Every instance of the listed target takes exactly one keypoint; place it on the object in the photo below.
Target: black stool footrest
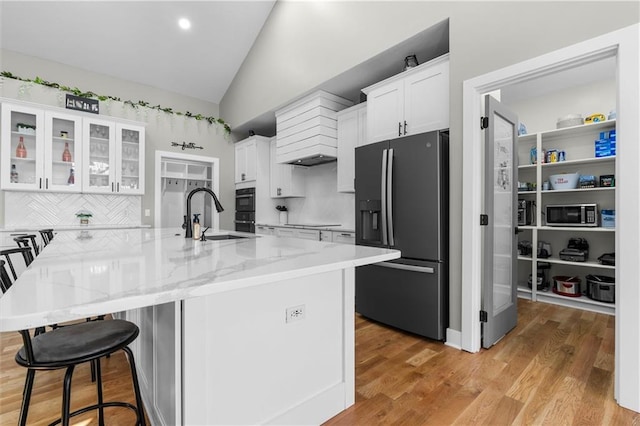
(103, 405)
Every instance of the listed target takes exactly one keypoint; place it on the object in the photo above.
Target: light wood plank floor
(555, 368)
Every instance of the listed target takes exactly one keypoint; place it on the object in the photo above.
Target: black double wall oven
(246, 210)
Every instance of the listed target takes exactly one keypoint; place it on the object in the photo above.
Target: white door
(499, 287)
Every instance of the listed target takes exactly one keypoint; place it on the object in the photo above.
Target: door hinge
(483, 316)
(484, 122)
(484, 220)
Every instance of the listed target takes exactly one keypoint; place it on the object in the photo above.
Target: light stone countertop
(319, 228)
(91, 272)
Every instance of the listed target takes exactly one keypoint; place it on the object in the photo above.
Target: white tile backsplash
(323, 203)
(27, 209)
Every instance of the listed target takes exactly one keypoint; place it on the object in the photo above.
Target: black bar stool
(69, 346)
(47, 236)
(28, 241)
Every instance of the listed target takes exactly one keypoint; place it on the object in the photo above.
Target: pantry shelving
(578, 144)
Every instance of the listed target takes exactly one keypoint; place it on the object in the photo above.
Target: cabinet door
(129, 159)
(344, 237)
(63, 152)
(385, 112)
(348, 129)
(22, 148)
(286, 180)
(426, 100)
(308, 234)
(246, 161)
(286, 232)
(99, 165)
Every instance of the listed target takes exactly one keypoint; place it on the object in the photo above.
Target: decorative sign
(184, 145)
(83, 104)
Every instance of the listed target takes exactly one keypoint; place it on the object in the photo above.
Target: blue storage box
(608, 218)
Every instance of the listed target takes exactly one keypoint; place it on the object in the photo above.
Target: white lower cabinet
(343, 237)
(307, 234)
(265, 230)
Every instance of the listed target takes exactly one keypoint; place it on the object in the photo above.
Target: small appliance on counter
(567, 286)
(577, 250)
(601, 288)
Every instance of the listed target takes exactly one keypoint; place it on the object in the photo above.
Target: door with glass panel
(130, 159)
(63, 152)
(99, 156)
(499, 287)
(22, 148)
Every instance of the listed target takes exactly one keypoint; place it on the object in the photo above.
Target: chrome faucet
(219, 208)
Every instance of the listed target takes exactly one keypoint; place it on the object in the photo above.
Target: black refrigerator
(402, 202)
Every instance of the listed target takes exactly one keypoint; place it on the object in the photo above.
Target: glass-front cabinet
(115, 157)
(46, 149)
(39, 149)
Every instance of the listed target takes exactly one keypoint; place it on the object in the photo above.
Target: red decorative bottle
(66, 155)
(21, 151)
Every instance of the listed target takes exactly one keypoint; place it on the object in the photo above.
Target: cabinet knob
(399, 129)
(242, 176)
(279, 191)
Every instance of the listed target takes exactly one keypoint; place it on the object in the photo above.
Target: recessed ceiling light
(184, 23)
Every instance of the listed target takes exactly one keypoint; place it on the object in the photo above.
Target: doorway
(176, 175)
(623, 46)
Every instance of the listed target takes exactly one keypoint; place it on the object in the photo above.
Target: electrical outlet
(147, 212)
(295, 313)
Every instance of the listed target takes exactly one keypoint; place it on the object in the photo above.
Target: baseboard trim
(454, 339)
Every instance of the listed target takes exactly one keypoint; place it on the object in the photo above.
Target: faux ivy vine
(134, 104)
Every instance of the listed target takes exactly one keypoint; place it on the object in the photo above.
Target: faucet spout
(219, 208)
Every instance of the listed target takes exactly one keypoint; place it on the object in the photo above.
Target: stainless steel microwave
(572, 215)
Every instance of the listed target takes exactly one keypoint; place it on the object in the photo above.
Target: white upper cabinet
(286, 180)
(40, 149)
(415, 101)
(48, 149)
(352, 132)
(246, 159)
(113, 157)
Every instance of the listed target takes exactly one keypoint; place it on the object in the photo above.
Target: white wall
(322, 203)
(304, 44)
(161, 128)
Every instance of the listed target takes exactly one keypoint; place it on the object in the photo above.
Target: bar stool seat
(69, 346)
(78, 343)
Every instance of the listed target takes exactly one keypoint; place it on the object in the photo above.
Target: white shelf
(31, 135)
(130, 143)
(97, 139)
(60, 139)
(63, 163)
(576, 228)
(589, 161)
(528, 166)
(526, 192)
(27, 160)
(552, 191)
(525, 258)
(587, 264)
(577, 130)
(199, 178)
(581, 302)
(98, 157)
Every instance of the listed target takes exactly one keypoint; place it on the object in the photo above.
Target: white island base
(232, 358)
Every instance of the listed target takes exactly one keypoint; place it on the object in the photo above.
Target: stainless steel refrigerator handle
(413, 268)
(245, 221)
(383, 197)
(390, 196)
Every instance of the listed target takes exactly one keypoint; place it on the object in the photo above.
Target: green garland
(77, 92)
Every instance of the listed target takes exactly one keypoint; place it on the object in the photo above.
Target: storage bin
(608, 218)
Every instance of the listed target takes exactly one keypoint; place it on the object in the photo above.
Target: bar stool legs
(26, 397)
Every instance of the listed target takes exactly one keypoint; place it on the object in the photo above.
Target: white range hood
(306, 130)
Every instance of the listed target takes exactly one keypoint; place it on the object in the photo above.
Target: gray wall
(304, 44)
(161, 128)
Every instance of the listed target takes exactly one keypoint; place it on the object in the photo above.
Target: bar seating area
(68, 346)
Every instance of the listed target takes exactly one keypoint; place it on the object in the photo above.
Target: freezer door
(370, 205)
(408, 295)
(419, 195)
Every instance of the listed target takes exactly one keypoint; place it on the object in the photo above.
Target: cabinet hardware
(484, 123)
(399, 129)
(484, 220)
(483, 316)
(405, 127)
(118, 187)
(46, 183)
(242, 176)
(112, 187)
(40, 183)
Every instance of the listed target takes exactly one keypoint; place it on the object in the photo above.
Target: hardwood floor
(46, 398)
(555, 367)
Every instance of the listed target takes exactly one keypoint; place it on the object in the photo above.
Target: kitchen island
(233, 331)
